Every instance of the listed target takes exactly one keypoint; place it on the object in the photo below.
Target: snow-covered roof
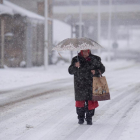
(5, 10)
(59, 34)
(12, 9)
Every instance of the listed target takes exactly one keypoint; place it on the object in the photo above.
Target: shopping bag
(100, 88)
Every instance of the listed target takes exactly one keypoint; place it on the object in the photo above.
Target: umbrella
(77, 44)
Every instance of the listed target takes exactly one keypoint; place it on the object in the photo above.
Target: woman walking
(84, 67)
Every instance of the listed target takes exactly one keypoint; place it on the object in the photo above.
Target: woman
(84, 69)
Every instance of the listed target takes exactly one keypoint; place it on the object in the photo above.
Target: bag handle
(100, 73)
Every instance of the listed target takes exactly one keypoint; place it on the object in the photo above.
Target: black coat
(83, 76)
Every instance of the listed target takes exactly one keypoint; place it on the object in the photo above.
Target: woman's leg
(81, 114)
(89, 114)
(80, 110)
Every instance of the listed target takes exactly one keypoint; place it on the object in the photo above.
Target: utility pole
(2, 39)
(2, 42)
(80, 18)
(109, 28)
(99, 23)
(29, 44)
(46, 36)
(50, 30)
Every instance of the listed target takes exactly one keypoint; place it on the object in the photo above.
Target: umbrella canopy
(77, 44)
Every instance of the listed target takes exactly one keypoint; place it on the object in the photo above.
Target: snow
(61, 31)
(19, 77)
(129, 43)
(17, 9)
(45, 108)
(5, 10)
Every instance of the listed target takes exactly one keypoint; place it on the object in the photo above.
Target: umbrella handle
(60, 54)
(77, 58)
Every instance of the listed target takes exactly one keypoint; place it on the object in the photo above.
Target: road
(47, 112)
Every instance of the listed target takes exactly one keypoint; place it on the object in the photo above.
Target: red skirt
(91, 104)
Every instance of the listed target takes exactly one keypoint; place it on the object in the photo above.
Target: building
(22, 36)
(22, 40)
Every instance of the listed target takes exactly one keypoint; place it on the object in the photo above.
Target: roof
(10, 8)
(5, 10)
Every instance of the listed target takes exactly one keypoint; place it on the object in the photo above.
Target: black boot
(81, 114)
(89, 115)
(89, 121)
(81, 121)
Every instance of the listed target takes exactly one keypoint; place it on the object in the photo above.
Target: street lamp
(46, 36)
(99, 23)
(80, 18)
(109, 28)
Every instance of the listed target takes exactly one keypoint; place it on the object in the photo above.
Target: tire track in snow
(29, 116)
(17, 115)
(16, 103)
(12, 100)
(37, 86)
(27, 93)
(29, 97)
(117, 131)
(50, 124)
(55, 127)
(103, 113)
(63, 120)
(110, 122)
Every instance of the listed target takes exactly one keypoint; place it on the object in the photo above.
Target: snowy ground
(12, 78)
(39, 105)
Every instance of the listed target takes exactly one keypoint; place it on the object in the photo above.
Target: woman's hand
(77, 64)
(93, 72)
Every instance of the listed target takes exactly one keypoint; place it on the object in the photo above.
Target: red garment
(91, 104)
(81, 52)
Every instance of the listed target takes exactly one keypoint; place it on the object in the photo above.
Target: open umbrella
(77, 44)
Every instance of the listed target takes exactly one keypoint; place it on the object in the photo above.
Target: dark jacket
(83, 76)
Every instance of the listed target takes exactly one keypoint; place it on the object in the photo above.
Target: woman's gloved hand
(93, 72)
(77, 64)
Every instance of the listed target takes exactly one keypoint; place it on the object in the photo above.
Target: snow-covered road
(47, 111)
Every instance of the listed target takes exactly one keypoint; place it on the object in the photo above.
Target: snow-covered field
(39, 105)
(18, 77)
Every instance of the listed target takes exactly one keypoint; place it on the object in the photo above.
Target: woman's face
(85, 53)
